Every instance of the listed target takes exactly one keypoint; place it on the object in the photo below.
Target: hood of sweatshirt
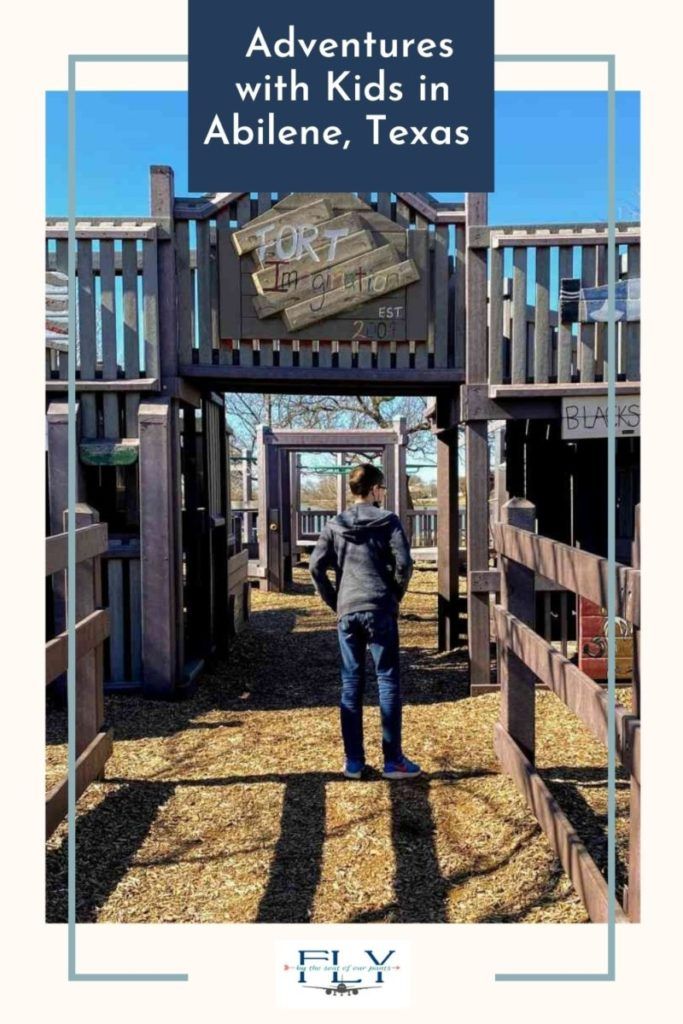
(355, 523)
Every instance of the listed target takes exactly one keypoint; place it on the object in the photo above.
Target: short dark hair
(364, 478)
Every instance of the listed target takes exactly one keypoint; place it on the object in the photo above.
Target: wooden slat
(542, 326)
(87, 339)
(384, 203)
(89, 632)
(61, 263)
(108, 318)
(496, 318)
(230, 300)
(131, 332)
(90, 541)
(586, 353)
(88, 768)
(518, 356)
(459, 298)
(601, 369)
(117, 669)
(440, 296)
(577, 570)
(185, 292)
(582, 695)
(564, 331)
(204, 293)
(632, 330)
(135, 619)
(150, 306)
(577, 862)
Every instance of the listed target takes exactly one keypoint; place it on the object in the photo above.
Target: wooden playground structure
(345, 293)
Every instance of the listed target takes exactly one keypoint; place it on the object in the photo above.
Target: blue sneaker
(401, 769)
(353, 769)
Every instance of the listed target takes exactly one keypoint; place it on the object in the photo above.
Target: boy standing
(370, 555)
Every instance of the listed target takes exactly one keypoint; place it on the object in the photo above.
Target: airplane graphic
(342, 989)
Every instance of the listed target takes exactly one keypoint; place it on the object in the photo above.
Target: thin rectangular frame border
(610, 61)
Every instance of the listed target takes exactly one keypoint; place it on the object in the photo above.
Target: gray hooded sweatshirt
(370, 555)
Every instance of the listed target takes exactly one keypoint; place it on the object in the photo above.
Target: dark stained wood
(87, 333)
(577, 570)
(158, 497)
(496, 318)
(632, 330)
(542, 328)
(587, 331)
(447, 527)
(519, 323)
(89, 766)
(517, 682)
(185, 292)
(577, 862)
(582, 695)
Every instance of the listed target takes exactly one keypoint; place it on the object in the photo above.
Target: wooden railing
(422, 527)
(93, 740)
(117, 353)
(524, 658)
(528, 341)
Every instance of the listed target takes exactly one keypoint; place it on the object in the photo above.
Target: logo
(342, 975)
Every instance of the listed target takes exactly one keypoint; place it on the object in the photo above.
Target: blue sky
(551, 160)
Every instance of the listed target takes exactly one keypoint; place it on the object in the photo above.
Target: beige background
(230, 967)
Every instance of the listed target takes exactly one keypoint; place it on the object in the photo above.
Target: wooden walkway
(230, 806)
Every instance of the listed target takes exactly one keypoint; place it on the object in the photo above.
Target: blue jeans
(378, 632)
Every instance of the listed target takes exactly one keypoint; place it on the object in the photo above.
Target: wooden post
(447, 524)
(401, 506)
(162, 199)
(285, 505)
(57, 472)
(517, 596)
(269, 516)
(89, 668)
(341, 482)
(635, 559)
(162, 616)
(295, 502)
(633, 890)
(246, 476)
(477, 469)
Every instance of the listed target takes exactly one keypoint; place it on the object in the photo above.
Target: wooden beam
(575, 858)
(90, 631)
(581, 694)
(134, 384)
(517, 682)
(98, 229)
(482, 236)
(447, 530)
(90, 542)
(261, 379)
(577, 570)
(89, 767)
(160, 563)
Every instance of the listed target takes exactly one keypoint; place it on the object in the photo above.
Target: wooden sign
(587, 417)
(328, 266)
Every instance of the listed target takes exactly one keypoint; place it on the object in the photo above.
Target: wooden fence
(93, 740)
(526, 658)
(528, 340)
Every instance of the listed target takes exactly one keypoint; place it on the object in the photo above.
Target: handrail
(584, 573)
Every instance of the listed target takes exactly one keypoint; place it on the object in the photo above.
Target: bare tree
(329, 412)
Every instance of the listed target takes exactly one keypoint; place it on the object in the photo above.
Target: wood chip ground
(231, 806)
